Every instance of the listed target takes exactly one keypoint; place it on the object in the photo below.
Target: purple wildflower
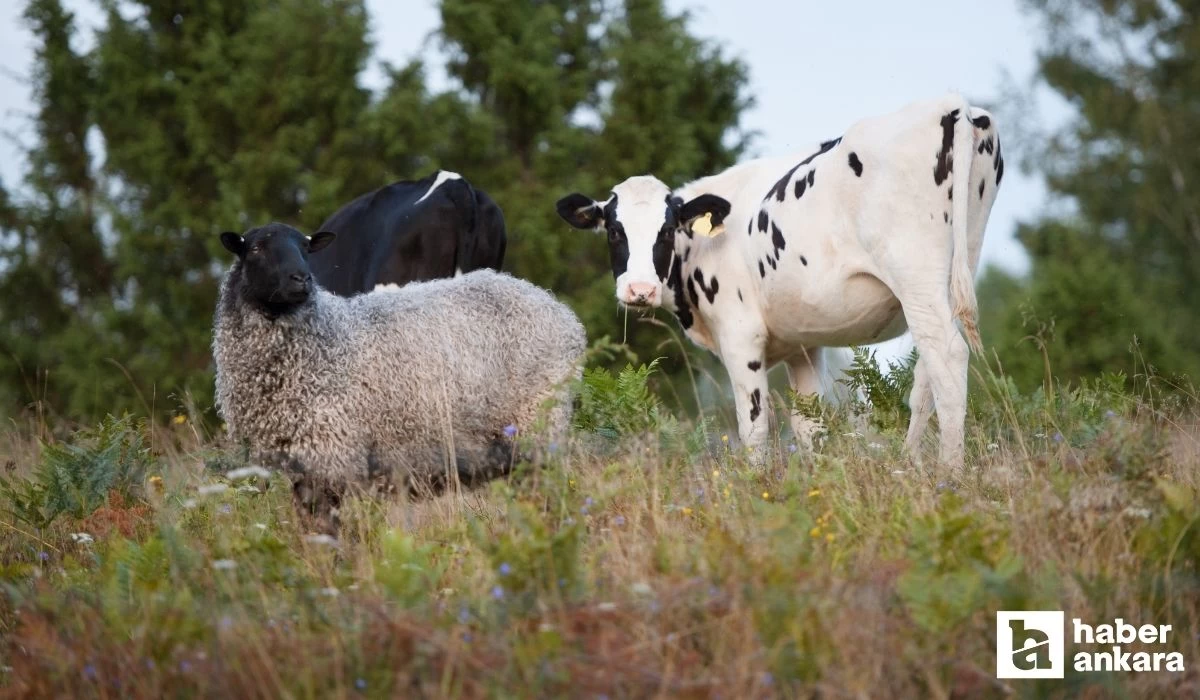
(44, 556)
(225, 509)
(766, 678)
(505, 569)
(89, 672)
(361, 683)
(1110, 414)
(510, 431)
(464, 615)
(792, 447)
(498, 592)
(1058, 437)
(619, 520)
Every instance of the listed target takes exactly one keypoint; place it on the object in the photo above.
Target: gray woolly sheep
(396, 383)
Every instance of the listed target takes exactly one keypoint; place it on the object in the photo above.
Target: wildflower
(360, 683)
(224, 564)
(606, 607)
(44, 556)
(179, 419)
(992, 446)
(766, 495)
(829, 536)
(247, 488)
(81, 538)
(1058, 437)
(225, 509)
(687, 511)
(815, 532)
(510, 431)
(814, 493)
(1110, 414)
(641, 588)
(571, 483)
(505, 569)
(467, 637)
(185, 666)
(766, 678)
(464, 615)
(724, 438)
(321, 539)
(209, 489)
(716, 473)
(260, 526)
(225, 622)
(89, 672)
(330, 592)
(792, 448)
(189, 503)
(619, 520)
(246, 472)
(156, 483)
(498, 592)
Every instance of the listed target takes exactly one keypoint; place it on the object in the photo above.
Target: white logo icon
(1029, 644)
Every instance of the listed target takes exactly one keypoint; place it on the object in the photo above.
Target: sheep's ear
(234, 243)
(319, 240)
(580, 211)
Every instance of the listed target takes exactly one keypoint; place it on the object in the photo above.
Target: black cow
(408, 231)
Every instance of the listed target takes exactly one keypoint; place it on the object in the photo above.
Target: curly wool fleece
(398, 381)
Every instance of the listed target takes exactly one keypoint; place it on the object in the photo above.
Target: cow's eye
(615, 233)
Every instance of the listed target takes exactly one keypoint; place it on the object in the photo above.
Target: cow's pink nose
(643, 291)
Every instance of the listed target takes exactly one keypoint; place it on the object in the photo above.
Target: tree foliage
(189, 118)
(1126, 263)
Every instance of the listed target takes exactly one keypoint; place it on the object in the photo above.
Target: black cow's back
(404, 233)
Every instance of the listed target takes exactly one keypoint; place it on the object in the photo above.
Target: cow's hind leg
(920, 401)
(745, 361)
(804, 375)
(944, 354)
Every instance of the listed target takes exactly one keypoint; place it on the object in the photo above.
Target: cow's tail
(962, 281)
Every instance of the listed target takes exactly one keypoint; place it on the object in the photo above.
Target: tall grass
(643, 558)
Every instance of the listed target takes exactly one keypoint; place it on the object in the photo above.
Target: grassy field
(644, 558)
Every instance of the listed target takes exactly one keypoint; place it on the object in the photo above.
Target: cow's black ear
(718, 207)
(234, 243)
(580, 211)
(319, 240)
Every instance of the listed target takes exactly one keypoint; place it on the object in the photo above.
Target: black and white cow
(411, 230)
(851, 242)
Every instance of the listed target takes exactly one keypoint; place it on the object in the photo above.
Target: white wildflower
(260, 526)
(330, 592)
(875, 445)
(321, 539)
(81, 538)
(189, 503)
(1133, 512)
(642, 588)
(992, 447)
(209, 489)
(246, 472)
(224, 564)
(606, 607)
(247, 488)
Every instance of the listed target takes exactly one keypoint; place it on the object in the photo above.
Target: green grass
(644, 558)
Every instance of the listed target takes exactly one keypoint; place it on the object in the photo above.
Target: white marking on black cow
(872, 245)
(442, 176)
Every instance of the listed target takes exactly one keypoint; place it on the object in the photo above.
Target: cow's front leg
(747, 370)
(804, 375)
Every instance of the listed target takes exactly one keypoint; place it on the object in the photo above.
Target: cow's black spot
(950, 193)
(981, 184)
(945, 156)
(750, 227)
(986, 145)
(998, 163)
(740, 295)
(710, 290)
(812, 177)
(946, 216)
(618, 244)
(801, 185)
(691, 288)
(779, 189)
(663, 251)
(683, 312)
(762, 270)
(771, 260)
(762, 220)
(855, 164)
(777, 239)
(754, 365)
(755, 405)
(981, 122)
(804, 261)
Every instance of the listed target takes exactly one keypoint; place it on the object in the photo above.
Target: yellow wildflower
(815, 532)
(179, 419)
(724, 438)
(156, 482)
(829, 537)
(814, 493)
(766, 495)
(687, 511)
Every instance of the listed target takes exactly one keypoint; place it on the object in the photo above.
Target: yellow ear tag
(703, 226)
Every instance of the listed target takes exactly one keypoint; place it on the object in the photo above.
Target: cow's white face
(641, 219)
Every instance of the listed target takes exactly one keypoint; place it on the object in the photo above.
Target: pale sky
(815, 67)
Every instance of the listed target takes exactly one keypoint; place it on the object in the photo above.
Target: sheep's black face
(274, 265)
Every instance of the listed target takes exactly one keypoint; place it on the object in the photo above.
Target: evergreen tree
(1127, 263)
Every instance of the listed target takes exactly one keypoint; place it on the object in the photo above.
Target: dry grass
(652, 566)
